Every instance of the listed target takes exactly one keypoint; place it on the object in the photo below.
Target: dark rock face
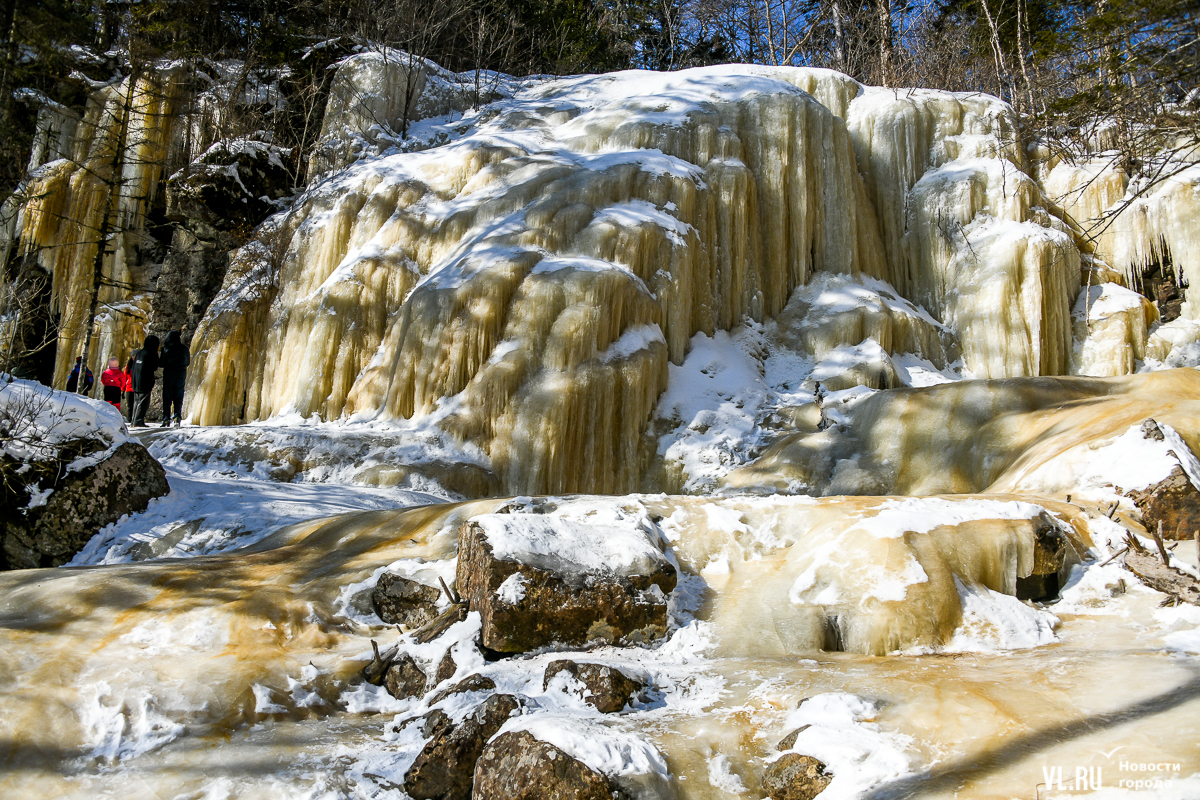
(81, 504)
(445, 767)
(516, 766)
(568, 609)
(610, 688)
(404, 678)
(400, 601)
(445, 668)
(215, 202)
(795, 777)
(1174, 502)
(1049, 556)
(472, 683)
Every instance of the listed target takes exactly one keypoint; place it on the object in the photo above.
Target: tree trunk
(839, 37)
(885, 42)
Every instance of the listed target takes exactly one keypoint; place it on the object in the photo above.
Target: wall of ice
(521, 275)
(527, 282)
(1134, 224)
(113, 167)
(1041, 436)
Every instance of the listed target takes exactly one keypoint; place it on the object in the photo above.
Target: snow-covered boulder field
(69, 469)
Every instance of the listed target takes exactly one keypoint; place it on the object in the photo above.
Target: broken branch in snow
(1176, 584)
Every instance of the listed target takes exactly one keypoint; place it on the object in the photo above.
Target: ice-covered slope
(529, 280)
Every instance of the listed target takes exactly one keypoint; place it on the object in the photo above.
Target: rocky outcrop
(400, 601)
(1172, 501)
(79, 504)
(517, 766)
(445, 767)
(525, 606)
(215, 202)
(472, 683)
(607, 689)
(405, 678)
(795, 777)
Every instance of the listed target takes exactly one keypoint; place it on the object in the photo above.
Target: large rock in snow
(1174, 500)
(795, 777)
(445, 767)
(605, 688)
(79, 506)
(68, 470)
(401, 601)
(564, 578)
(517, 766)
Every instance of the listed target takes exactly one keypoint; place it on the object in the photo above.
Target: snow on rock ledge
(69, 469)
(542, 575)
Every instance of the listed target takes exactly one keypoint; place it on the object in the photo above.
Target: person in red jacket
(113, 380)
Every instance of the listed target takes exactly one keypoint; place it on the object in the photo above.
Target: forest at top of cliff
(1060, 63)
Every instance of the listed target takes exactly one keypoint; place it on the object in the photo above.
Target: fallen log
(1156, 574)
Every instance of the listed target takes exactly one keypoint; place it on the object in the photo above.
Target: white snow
(843, 734)
(35, 421)
(581, 536)
(922, 515)
(512, 590)
(994, 622)
(606, 749)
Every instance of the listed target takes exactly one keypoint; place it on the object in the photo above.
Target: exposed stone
(568, 608)
(517, 766)
(400, 601)
(445, 668)
(610, 689)
(472, 683)
(80, 505)
(445, 767)
(215, 202)
(789, 741)
(1174, 502)
(1049, 556)
(404, 678)
(795, 777)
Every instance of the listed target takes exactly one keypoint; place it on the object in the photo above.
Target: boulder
(472, 683)
(400, 601)
(538, 580)
(404, 678)
(609, 689)
(79, 505)
(215, 203)
(445, 767)
(795, 777)
(517, 766)
(445, 668)
(1174, 502)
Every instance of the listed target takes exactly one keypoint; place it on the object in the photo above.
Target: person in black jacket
(174, 360)
(142, 365)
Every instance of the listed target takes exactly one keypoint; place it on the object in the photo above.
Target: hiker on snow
(113, 381)
(142, 365)
(73, 380)
(174, 360)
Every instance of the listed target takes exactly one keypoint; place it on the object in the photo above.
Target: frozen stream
(234, 675)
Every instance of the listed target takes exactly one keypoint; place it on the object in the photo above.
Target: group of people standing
(134, 384)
